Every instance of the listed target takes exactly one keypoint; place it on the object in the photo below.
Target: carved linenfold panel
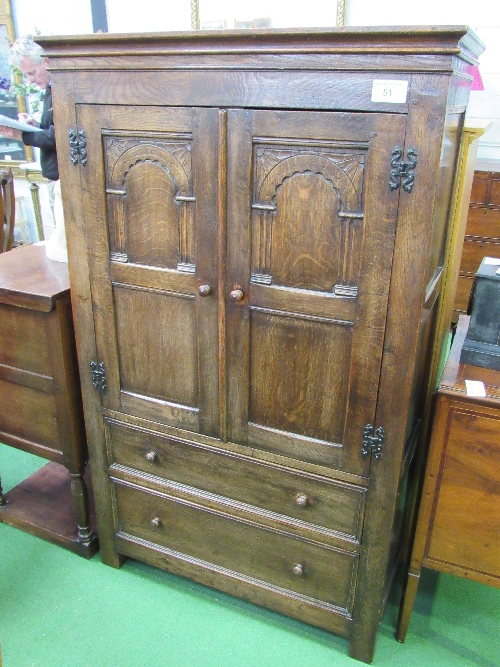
(319, 188)
(150, 199)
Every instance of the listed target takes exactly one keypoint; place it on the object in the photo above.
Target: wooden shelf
(42, 505)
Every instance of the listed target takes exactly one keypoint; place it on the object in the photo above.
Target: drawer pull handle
(302, 500)
(151, 456)
(156, 522)
(298, 569)
(204, 290)
(236, 295)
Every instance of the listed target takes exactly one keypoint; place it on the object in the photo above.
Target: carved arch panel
(150, 200)
(316, 190)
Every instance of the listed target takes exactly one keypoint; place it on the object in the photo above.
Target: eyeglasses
(30, 76)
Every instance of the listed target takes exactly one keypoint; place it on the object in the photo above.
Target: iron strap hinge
(98, 375)
(372, 443)
(77, 146)
(403, 171)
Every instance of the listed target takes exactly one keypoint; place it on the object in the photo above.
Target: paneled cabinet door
(151, 224)
(311, 228)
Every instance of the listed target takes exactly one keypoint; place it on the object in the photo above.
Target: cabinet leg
(81, 504)
(406, 606)
(362, 646)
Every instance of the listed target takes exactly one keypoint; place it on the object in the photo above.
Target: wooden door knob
(151, 456)
(302, 500)
(204, 290)
(298, 569)
(236, 295)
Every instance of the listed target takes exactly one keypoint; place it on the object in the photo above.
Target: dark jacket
(46, 140)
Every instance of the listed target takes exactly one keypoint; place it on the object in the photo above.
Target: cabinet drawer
(473, 253)
(332, 505)
(265, 555)
(483, 222)
(31, 415)
(24, 338)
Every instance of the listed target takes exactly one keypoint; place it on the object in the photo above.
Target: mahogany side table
(458, 525)
(40, 401)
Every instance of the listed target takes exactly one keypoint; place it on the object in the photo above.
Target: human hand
(26, 118)
(10, 133)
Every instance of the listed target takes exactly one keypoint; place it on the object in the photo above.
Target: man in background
(27, 56)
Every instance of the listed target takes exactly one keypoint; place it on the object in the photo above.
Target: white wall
(148, 15)
(483, 16)
(74, 17)
(52, 17)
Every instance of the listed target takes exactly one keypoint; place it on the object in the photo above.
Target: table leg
(35, 198)
(408, 599)
(81, 503)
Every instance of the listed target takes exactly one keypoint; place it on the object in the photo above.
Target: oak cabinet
(256, 230)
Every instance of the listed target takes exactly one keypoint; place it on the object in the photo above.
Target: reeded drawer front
(306, 569)
(331, 505)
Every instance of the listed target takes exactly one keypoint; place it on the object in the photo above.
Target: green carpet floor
(60, 610)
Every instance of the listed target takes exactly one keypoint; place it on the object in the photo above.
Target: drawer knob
(156, 522)
(302, 500)
(151, 456)
(298, 569)
(236, 295)
(204, 290)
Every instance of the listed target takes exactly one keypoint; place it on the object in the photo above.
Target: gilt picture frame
(246, 23)
(12, 152)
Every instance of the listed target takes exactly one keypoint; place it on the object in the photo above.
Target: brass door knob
(204, 290)
(301, 500)
(236, 295)
(151, 456)
(156, 522)
(298, 569)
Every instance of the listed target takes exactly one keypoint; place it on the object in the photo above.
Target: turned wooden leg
(3, 499)
(81, 503)
(407, 601)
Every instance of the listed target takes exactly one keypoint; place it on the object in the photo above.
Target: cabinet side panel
(467, 516)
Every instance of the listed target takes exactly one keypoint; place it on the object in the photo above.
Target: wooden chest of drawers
(482, 233)
(459, 516)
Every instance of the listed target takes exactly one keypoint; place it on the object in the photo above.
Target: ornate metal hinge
(98, 375)
(403, 170)
(372, 443)
(77, 146)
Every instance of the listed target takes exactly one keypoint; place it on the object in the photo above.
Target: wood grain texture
(458, 515)
(293, 292)
(40, 392)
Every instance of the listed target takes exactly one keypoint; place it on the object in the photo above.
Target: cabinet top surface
(455, 373)
(30, 280)
(445, 40)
